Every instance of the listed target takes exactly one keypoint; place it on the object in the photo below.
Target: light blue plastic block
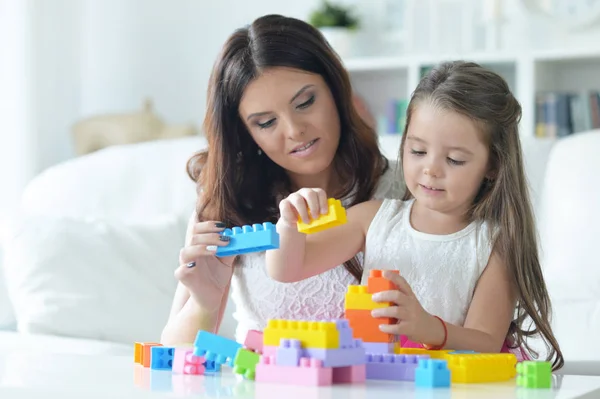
(215, 348)
(161, 357)
(432, 373)
(247, 239)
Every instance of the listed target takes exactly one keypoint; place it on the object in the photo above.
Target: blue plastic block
(211, 367)
(161, 357)
(432, 373)
(215, 348)
(247, 239)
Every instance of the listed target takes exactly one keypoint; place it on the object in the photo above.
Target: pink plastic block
(350, 374)
(254, 341)
(185, 362)
(269, 350)
(309, 372)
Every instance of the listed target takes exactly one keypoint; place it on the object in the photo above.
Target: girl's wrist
(437, 333)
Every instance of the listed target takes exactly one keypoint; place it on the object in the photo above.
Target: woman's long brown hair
(485, 97)
(235, 184)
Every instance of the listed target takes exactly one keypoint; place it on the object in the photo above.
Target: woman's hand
(306, 203)
(205, 275)
(413, 321)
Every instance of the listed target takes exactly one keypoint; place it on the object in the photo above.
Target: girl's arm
(489, 316)
(488, 319)
(301, 256)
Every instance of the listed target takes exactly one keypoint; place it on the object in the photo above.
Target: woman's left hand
(413, 321)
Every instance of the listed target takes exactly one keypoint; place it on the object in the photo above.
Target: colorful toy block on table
(311, 334)
(142, 354)
(215, 348)
(377, 283)
(185, 362)
(245, 363)
(392, 367)
(481, 367)
(355, 374)
(247, 239)
(291, 351)
(432, 373)
(308, 372)
(254, 341)
(161, 357)
(532, 374)
(335, 217)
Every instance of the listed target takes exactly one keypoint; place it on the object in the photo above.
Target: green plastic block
(245, 363)
(534, 374)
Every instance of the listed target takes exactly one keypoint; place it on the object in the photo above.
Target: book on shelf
(559, 114)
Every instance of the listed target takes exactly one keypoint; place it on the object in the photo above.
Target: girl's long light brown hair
(485, 97)
(235, 184)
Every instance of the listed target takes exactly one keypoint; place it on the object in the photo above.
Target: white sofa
(92, 254)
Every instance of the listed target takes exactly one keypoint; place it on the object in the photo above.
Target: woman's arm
(301, 256)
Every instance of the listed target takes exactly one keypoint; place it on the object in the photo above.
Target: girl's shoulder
(391, 183)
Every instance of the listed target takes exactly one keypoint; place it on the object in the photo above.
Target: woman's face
(292, 116)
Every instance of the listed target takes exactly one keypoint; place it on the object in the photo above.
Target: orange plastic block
(377, 283)
(146, 352)
(481, 367)
(366, 327)
(335, 217)
(311, 334)
(357, 297)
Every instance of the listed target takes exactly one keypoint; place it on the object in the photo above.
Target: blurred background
(101, 103)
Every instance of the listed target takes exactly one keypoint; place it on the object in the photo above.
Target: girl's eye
(455, 162)
(307, 103)
(415, 152)
(266, 124)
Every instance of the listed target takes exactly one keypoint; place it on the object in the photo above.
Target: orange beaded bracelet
(430, 347)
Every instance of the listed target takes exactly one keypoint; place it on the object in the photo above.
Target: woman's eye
(266, 124)
(307, 103)
(415, 152)
(455, 162)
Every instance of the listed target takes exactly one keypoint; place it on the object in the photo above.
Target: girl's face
(293, 118)
(445, 159)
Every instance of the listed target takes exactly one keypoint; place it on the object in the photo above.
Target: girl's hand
(205, 275)
(306, 203)
(413, 321)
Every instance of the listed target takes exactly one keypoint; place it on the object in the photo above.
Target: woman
(279, 117)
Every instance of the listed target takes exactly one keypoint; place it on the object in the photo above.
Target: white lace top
(258, 298)
(442, 270)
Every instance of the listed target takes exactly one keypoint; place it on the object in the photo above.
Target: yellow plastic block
(137, 352)
(439, 354)
(357, 297)
(311, 334)
(335, 217)
(481, 367)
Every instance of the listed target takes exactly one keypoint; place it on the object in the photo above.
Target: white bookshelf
(379, 79)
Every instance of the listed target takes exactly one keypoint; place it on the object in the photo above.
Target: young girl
(463, 238)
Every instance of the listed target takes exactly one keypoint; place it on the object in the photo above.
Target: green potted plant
(337, 23)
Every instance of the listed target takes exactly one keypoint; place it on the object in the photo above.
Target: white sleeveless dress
(258, 298)
(442, 270)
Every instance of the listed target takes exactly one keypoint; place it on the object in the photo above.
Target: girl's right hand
(306, 204)
(205, 275)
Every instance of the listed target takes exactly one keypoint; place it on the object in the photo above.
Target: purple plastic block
(378, 347)
(346, 339)
(350, 356)
(289, 353)
(392, 367)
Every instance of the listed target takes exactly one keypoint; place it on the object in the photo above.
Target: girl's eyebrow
(455, 148)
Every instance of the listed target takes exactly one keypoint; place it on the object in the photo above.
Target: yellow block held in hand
(335, 217)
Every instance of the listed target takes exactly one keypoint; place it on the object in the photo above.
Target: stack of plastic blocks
(335, 216)
(247, 239)
(311, 353)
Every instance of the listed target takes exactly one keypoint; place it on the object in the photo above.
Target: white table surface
(26, 374)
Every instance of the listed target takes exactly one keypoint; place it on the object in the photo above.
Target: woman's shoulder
(391, 182)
